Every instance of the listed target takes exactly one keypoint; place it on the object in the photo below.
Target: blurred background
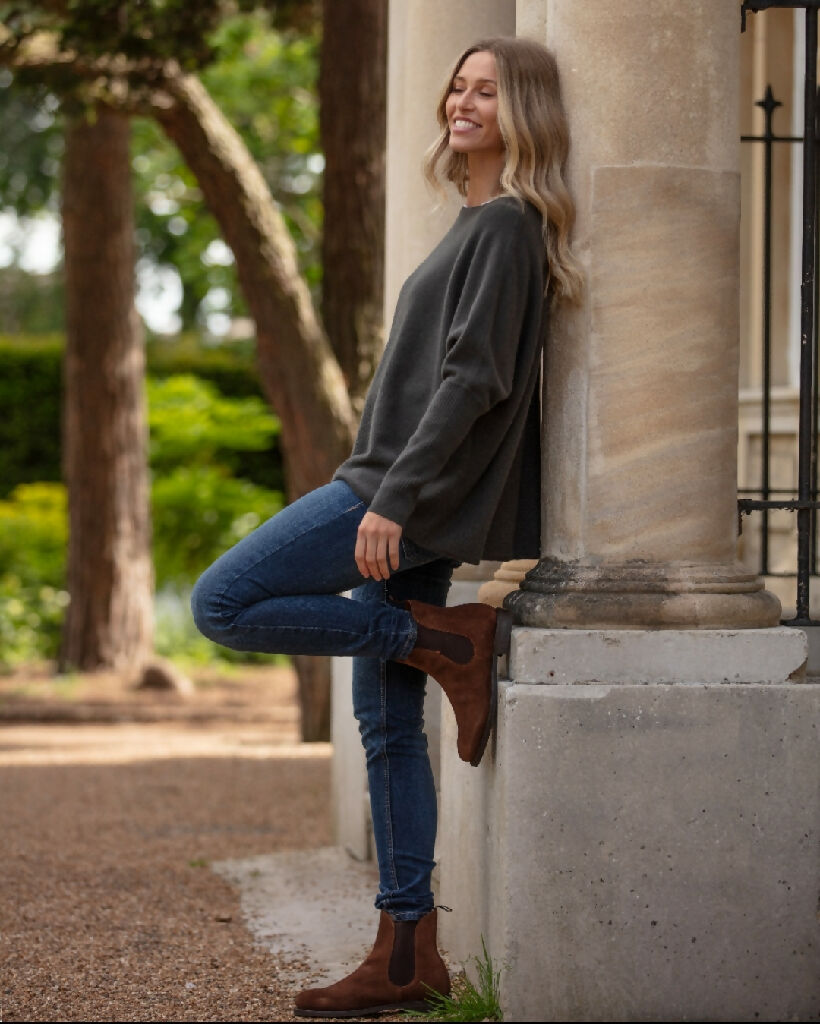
(190, 303)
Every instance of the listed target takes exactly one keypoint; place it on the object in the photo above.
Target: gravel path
(108, 908)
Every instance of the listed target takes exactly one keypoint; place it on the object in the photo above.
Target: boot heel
(501, 644)
(503, 631)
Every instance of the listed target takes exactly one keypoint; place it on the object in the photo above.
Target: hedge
(30, 400)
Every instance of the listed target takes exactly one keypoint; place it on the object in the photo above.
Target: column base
(636, 594)
(506, 579)
(640, 849)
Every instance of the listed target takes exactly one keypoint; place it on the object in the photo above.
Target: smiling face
(472, 106)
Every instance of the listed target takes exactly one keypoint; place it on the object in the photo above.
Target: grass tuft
(467, 1002)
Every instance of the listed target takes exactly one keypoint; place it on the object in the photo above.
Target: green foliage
(199, 508)
(262, 74)
(192, 423)
(261, 65)
(30, 620)
(33, 534)
(230, 366)
(30, 399)
(468, 1002)
(31, 303)
(148, 29)
(199, 512)
(264, 81)
(32, 572)
(33, 145)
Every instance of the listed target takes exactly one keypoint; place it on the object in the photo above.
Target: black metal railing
(805, 503)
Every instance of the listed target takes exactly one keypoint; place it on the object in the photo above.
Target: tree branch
(299, 372)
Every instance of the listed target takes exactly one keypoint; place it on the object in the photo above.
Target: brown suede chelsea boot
(398, 974)
(458, 647)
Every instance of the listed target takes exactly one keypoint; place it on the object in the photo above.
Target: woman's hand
(377, 546)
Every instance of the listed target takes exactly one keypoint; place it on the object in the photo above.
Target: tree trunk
(353, 120)
(353, 124)
(314, 697)
(298, 370)
(110, 574)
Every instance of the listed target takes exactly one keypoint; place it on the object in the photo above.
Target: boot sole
(501, 644)
(368, 1011)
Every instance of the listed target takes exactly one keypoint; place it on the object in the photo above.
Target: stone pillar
(426, 36)
(641, 381)
(507, 578)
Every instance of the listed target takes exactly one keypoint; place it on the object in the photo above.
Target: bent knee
(207, 609)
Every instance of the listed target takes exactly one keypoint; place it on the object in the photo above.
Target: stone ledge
(688, 657)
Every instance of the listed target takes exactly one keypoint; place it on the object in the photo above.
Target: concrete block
(351, 804)
(634, 849)
(813, 661)
(465, 837)
(643, 852)
(675, 833)
(693, 656)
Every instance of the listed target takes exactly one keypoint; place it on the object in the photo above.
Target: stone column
(507, 578)
(640, 515)
(426, 36)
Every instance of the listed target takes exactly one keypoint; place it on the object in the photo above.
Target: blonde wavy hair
(535, 132)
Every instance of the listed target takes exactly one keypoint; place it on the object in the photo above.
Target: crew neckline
(466, 206)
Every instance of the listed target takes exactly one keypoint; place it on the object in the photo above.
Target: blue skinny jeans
(279, 590)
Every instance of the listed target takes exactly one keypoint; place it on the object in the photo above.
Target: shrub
(199, 512)
(30, 621)
(32, 572)
(191, 422)
(199, 508)
(33, 534)
(30, 397)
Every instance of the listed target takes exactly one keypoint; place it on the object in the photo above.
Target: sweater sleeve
(481, 348)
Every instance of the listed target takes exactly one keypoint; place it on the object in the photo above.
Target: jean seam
(386, 634)
(219, 599)
(411, 641)
(387, 802)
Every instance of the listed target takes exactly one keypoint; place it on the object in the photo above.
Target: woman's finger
(394, 550)
(381, 556)
(360, 555)
(377, 546)
(372, 559)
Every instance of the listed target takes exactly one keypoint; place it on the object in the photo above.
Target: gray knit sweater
(448, 445)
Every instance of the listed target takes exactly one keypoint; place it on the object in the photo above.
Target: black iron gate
(805, 503)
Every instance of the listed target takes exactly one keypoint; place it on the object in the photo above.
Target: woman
(445, 469)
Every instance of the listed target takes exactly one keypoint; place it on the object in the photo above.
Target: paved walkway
(315, 906)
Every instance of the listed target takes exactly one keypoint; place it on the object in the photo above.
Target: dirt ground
(113, 804)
